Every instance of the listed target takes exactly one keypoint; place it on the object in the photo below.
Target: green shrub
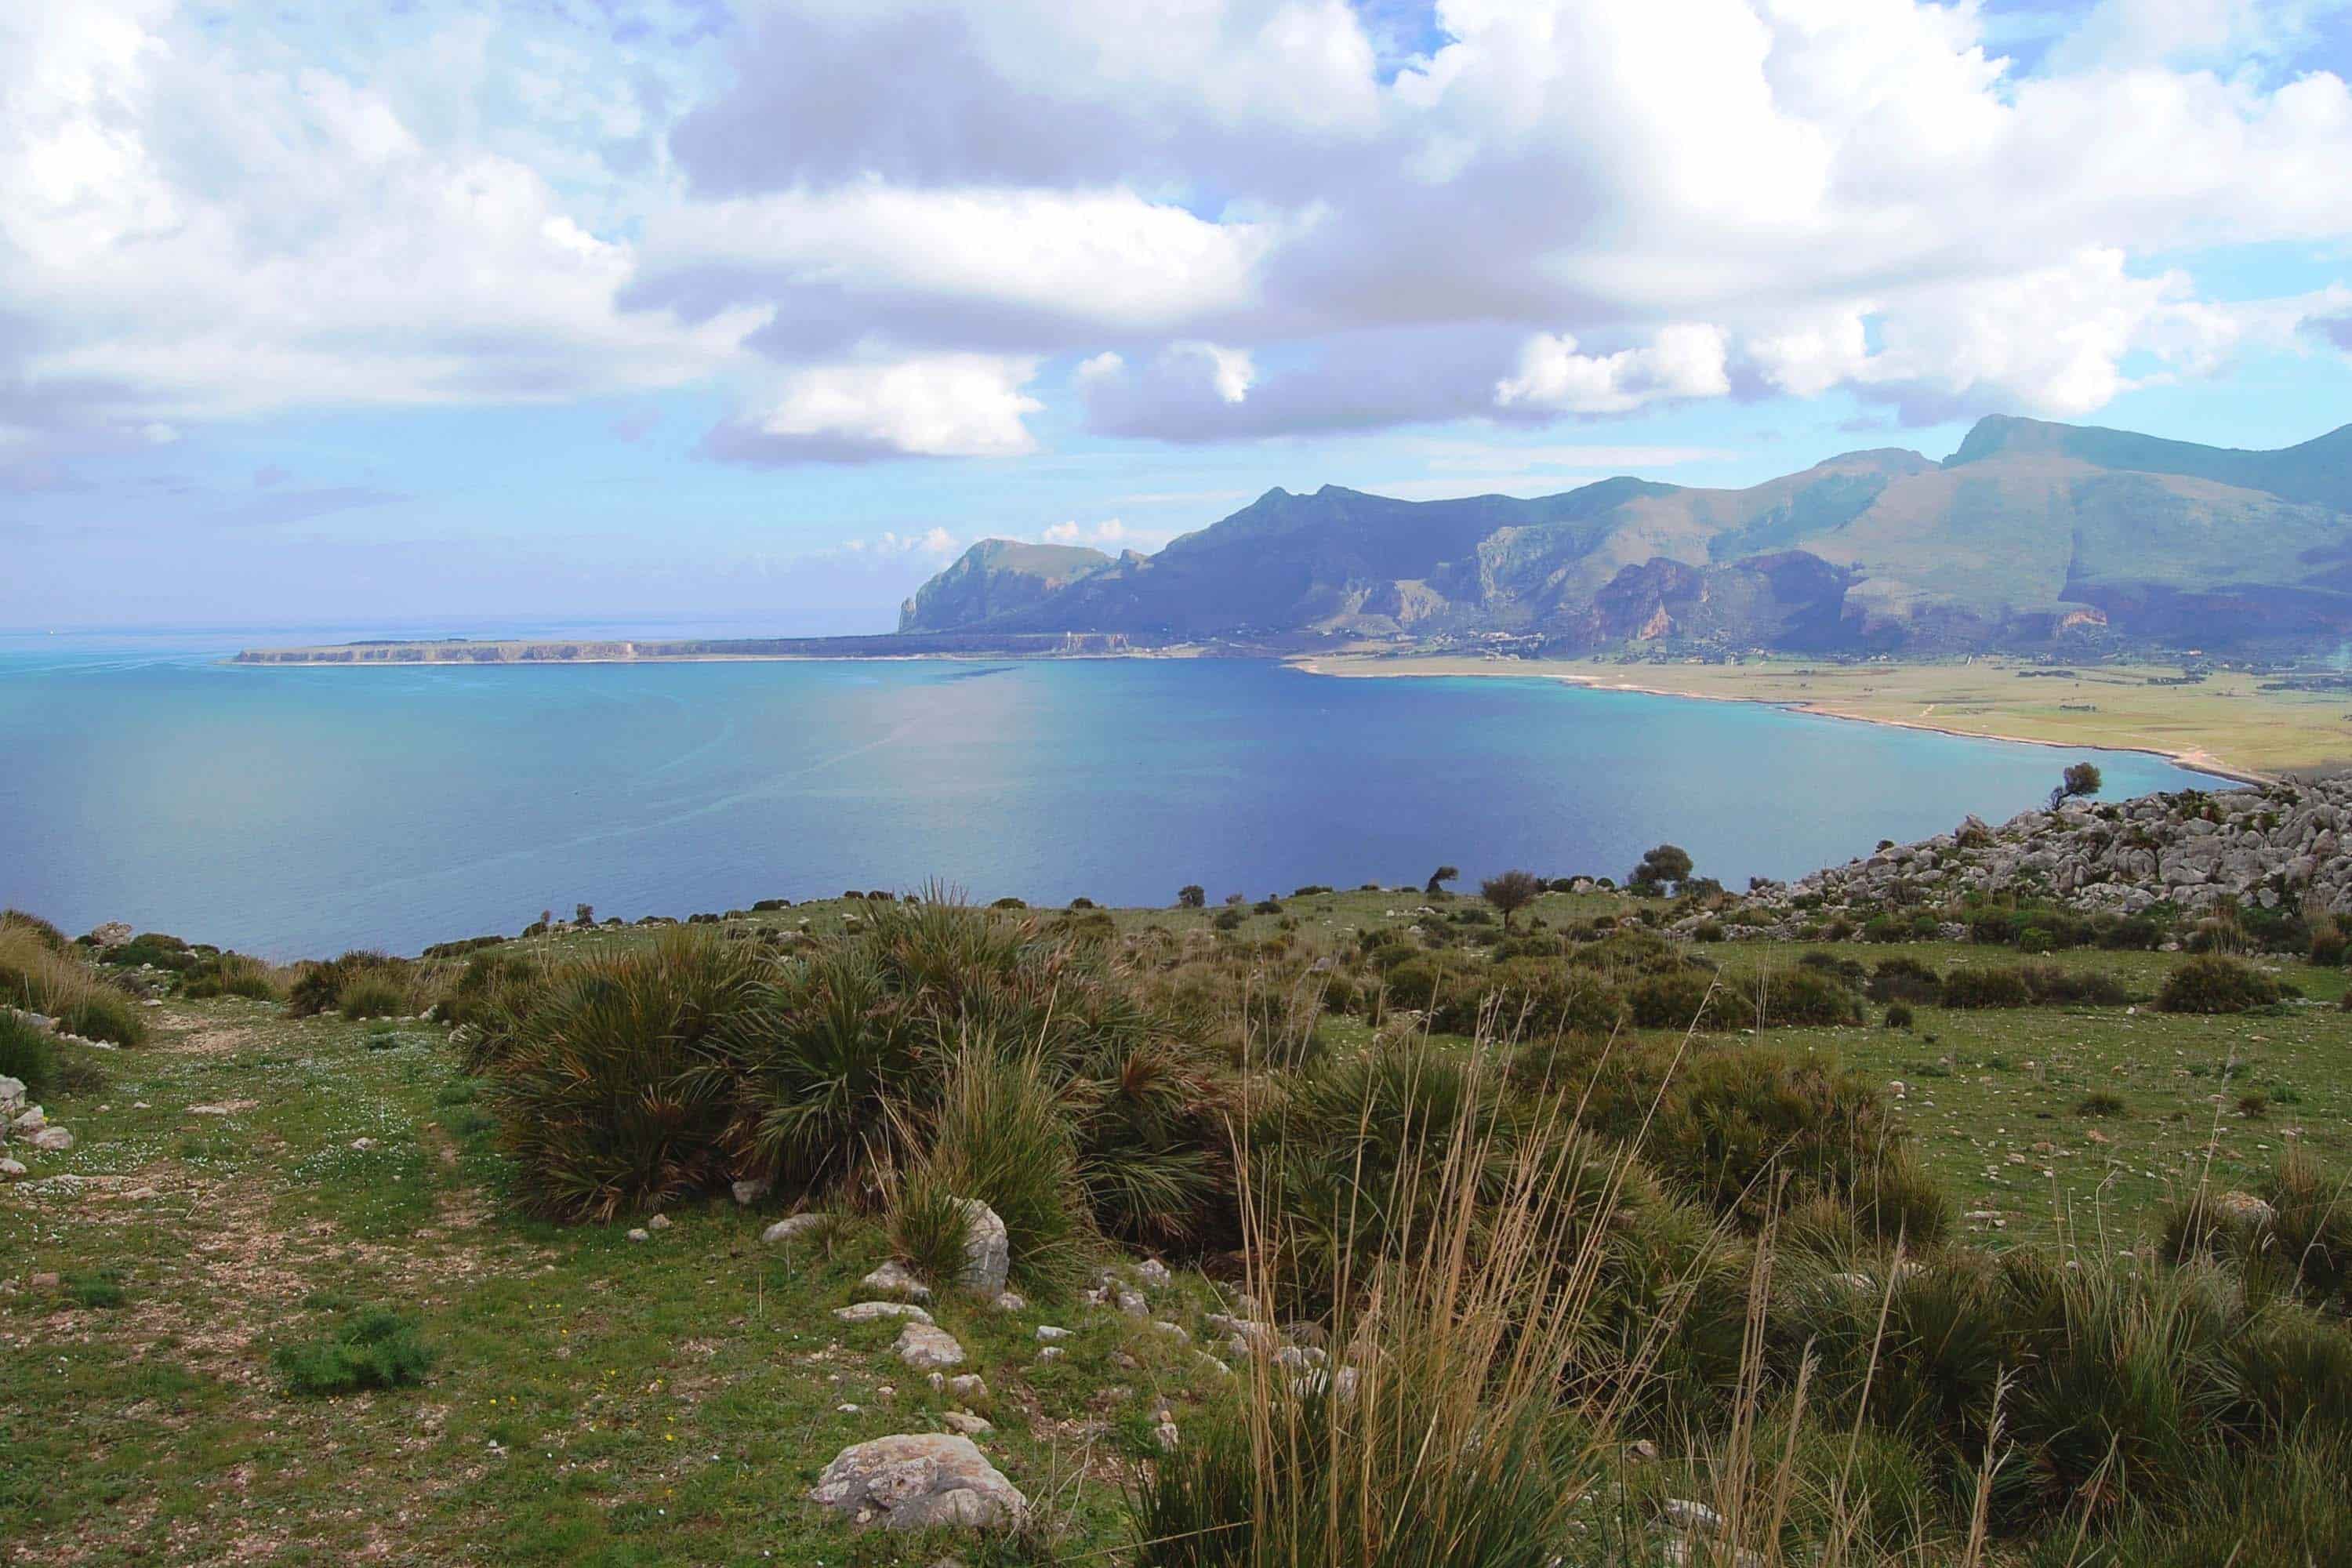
(318, 987)
(1520, 999)
(154, 950)
(2035, 938)
(1000, 1136)
(375, 1348)
(229, 974)
(372, 995)
(2212, 983)
(928, 1227)
(1737, 1123)
(1898, 1015)
(1985, 987)
(36, 929)
(1901, 978)
(100, 1289)
(2051, 984)
(1683, 1000)
(28, 1054)
(490, 1000)
(2101, 1103)
(2329, 943)
(603, 1099)
(37, 978)
(2312, 1233)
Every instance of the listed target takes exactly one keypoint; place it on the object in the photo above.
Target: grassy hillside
(256, 1179)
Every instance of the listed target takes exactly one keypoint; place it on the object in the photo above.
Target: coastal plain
(2236, 723)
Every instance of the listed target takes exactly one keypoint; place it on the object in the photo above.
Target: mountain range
(2030, 533)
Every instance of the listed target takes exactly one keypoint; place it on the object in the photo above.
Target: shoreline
(2195, 759)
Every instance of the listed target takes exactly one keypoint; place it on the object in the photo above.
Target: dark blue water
(292, 811)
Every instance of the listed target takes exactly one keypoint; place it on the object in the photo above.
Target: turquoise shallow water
(292, 811)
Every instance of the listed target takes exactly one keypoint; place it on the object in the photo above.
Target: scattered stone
(1685, 1515)
(918, 1480)
(54, 1139)
(1153, 1272)
(926, 1347)
(1132, 1303)
(964, 1421)
(1642, 1451)
(1048, 1333)
(968, 1385)
(362, 1144)
(12, 1095)
(1174, 1331)
(227, 1108)
(10, 1170)
(1051, 1353)
(873, 1311)
(748, 1193)
(1165, 1434)
(44, 1281)
(660, 1222)
(112, 934)
(2240, 1209)
(30, 1120)
(1006, 1301)
(639, 1233)
(987, 1249)
(791, 1228)
(895, 1278)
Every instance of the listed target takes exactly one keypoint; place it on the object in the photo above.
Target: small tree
(1663, 867)
(1436, 878)
(585, 914)
(1192, 896)
(2081, 782)
(1511, 892)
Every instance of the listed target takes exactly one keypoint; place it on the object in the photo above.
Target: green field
(600, 1400)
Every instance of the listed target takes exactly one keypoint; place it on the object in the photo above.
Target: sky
(755, 315)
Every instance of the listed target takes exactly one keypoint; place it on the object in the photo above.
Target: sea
(294, 811)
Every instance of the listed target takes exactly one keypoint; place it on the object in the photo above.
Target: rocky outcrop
(2268, 846)
(918, 1480)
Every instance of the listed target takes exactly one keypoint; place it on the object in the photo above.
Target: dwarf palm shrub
(615, 1092)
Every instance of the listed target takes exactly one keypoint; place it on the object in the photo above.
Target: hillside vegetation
(2029, 534)
(1392, 1227)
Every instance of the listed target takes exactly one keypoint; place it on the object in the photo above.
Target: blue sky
(758, 314)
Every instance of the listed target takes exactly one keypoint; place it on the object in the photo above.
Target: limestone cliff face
(2029, 531)
(994, 579)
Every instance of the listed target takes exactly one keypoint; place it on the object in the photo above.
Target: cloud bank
(940, 228)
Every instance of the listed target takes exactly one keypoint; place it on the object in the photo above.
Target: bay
(295, 812)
